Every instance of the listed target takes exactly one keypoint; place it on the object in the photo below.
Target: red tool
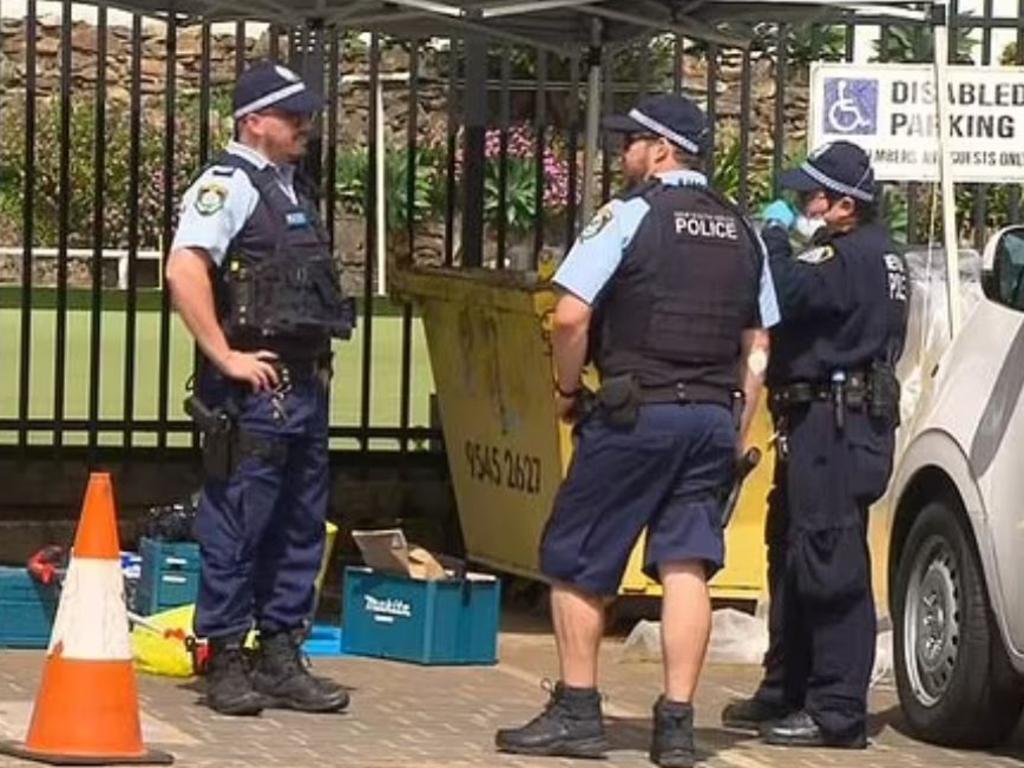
(47, 565)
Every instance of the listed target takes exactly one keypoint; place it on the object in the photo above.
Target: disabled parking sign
(851, 107)
(890, 111)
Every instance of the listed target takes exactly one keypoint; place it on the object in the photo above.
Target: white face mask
(807, 227)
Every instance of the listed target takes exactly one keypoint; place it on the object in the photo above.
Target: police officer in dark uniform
(835, 401)
(253, 278)
(671, 291)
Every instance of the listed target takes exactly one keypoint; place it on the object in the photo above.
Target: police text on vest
(706, 225)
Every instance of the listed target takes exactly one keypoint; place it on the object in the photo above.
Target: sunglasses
(629, 139)
(292, 118)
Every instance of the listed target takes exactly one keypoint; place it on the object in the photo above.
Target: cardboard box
(387, 551)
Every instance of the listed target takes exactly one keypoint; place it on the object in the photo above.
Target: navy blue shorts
(670, 474)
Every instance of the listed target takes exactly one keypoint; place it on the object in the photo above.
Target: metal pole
(378, 175)
(473, 150)
(946, 172)
(313, 63)
(593, 127)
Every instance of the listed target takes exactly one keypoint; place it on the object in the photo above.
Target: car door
(996, 451)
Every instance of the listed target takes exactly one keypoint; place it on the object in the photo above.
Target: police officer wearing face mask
(253, 278)
(671, 291)
(835, 401)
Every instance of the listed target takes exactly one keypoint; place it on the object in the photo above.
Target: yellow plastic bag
(329, 539)
(164, 652)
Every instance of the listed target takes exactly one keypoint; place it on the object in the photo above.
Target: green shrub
(353, 174)
(116, 170)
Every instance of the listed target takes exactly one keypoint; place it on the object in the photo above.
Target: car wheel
(954, 681)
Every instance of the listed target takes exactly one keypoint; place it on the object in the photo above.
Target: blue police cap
(675, 118)
(265, 85)
(840, 167)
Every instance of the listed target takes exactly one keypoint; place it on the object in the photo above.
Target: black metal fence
(100, 134)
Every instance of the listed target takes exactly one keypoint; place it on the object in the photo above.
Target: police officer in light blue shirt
(669, 292)
(252, 275)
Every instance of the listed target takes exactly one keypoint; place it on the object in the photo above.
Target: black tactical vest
(859, 315)
(278, 287)
(685, 291)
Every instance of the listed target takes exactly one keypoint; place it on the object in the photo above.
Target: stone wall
(354, 96)
(353, 99)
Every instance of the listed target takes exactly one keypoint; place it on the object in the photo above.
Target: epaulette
(640, 189)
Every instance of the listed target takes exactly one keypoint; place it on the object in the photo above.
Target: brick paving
(407, 715)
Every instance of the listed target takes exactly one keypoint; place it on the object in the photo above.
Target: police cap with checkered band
(271, 86)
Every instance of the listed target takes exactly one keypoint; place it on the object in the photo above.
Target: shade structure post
(942, 107)
(593, 126)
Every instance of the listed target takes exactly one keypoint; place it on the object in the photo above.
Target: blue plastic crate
(169, 590)
(454, 621)
(323, 640)
(160, 556)
(27, 609)
(169, 575)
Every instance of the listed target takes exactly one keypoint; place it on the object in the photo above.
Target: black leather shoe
(800, 730)
(750, 714)
(569, 726)
(672, 741)
(283, 679)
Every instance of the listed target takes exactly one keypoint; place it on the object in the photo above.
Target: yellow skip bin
(488, 337)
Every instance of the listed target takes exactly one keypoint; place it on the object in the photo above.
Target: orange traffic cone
(87, 707)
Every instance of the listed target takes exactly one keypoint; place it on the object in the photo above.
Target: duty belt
(301, 368)
(854, 389)
(683, 392)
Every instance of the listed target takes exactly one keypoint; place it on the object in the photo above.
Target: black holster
(219, 427)
(884, 392)
(619, 401)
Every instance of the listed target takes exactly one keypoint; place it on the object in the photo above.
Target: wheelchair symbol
(844, 115)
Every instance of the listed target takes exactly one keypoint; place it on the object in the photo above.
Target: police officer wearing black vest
(670, 290)
(253, 277)
(835, 401)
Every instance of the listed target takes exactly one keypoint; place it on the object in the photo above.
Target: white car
(956, 546)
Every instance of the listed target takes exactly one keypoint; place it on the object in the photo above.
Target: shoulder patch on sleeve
(210, 198)
(818, 255)
(599, 222)
(223, 170)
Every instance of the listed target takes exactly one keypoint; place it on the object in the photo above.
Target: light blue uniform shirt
(598, 251)
(217, 205)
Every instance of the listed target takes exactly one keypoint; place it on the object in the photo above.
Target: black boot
(228, 685)
(672, 741)
(570, 726)
(283, 678)
(749, 714)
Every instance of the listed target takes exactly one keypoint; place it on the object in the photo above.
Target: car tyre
(955, 683)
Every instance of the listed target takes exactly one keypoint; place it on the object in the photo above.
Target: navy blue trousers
(669, 474)
(261, 533)
(822, 623)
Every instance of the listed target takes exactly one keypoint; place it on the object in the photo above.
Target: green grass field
(346, 393)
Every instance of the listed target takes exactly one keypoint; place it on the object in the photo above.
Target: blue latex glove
(779, 212)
